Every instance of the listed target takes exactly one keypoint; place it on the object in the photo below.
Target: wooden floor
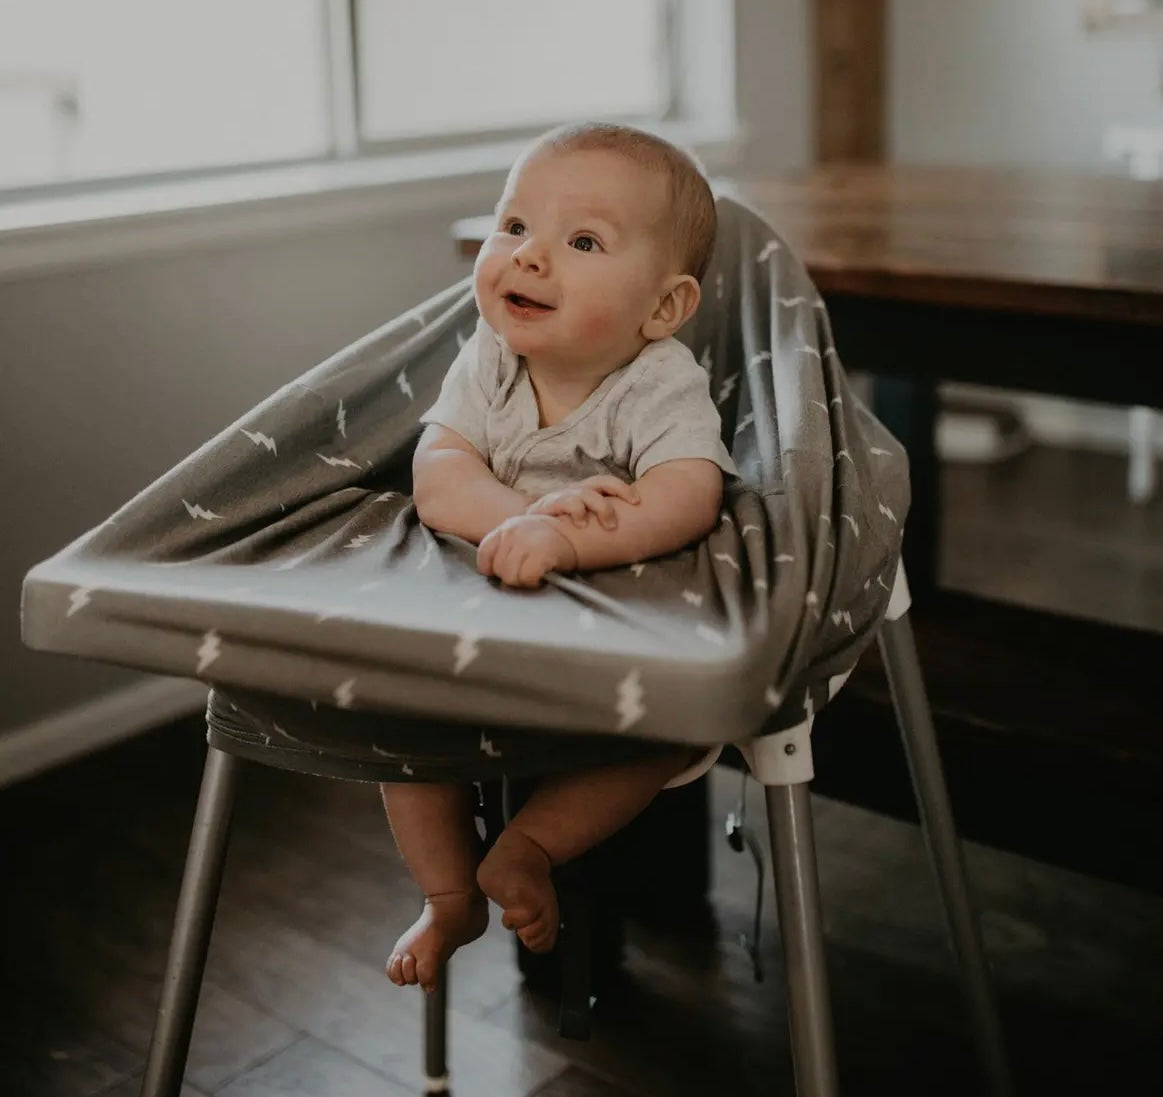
(295, 1003)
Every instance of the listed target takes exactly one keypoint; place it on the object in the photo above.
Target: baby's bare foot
(446, 922)
(515, 875)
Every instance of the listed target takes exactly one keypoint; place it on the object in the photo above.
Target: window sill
(81, 230)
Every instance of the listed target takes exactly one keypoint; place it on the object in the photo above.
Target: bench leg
(436, 1037)
(899, 653)
(166, 1062)
(797, 893)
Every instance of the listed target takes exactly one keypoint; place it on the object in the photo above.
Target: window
(94, 90)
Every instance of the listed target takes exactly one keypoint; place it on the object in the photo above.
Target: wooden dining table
(1036, 280)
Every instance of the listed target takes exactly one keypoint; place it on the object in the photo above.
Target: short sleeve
(468, 390)
(671, 416)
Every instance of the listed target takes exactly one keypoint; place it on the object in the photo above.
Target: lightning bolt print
(637, 569)
(692, 597)
(208, 650)
(785, 558)
(791, 302)
(338, 462)
(769, 249)
(749, 528)
(705, 360)
(810, 351)
(260, 439)
(772, 698)
(487, 747)
(78, 600)
(341, 419)
(876, 451)
(726, 389)
(762, 356)
(744, 423)
(719, 286)
(729, 560)
(465, 650)
(842, 615)
(852, 522)
(344, 693)
(887, 512)
(629, 701)
(405, 385)
(196, 510)
(358, 541)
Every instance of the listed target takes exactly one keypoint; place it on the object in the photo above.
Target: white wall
(1014, 82)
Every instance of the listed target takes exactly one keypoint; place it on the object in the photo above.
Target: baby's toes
(538, 937)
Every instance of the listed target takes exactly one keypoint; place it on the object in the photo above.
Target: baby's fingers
(602, 507)
(611, 485)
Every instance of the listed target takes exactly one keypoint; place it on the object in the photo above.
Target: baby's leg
(565, 816)
(436, 834)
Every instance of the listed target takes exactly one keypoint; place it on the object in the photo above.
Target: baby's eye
(585, 242)
(515, 228)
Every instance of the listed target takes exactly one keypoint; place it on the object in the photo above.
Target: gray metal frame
(797, 893)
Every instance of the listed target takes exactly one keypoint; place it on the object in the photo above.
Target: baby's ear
(677, 304)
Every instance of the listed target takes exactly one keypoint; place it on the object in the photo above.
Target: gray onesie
(658, 408)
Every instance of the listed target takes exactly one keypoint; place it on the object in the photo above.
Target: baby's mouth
(523, 302)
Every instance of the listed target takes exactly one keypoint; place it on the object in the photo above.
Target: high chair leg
(899, 654)
(436, 1036)
(166, 1062)
(797, 893)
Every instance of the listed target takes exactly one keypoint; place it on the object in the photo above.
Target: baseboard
(110, 718)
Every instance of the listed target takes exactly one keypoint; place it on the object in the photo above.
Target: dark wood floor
(295, 1003)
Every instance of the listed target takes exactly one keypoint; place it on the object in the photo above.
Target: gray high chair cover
(283, 562)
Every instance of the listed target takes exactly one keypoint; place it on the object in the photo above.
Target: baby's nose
(530, 255)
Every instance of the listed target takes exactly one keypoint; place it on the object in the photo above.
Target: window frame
(686, 108)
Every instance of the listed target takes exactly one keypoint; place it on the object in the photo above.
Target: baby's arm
(454, 489)
(679, 503)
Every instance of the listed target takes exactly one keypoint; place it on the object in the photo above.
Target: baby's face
(577, 260)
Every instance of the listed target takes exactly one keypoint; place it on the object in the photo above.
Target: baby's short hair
(694, 219)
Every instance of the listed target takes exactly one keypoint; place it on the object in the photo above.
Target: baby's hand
(590, 496)
(522, 549)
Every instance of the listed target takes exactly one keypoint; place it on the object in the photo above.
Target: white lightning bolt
(831, 352)
(705, 632)
(260, 439)
(772, 698)
(759, 584)
(196, 510)
(880, 582)
(846, 617)
(745, 422)
(637, 569)
(405, 386)
(341, 419)
(811, 599)
(785, 558)
(629, 707)
(78, 600)
(208, 651)
(344, 693)
(876, 451)
(727, 559)
(769, 249)
(791, 302)
(705, 360)
(465, 649)
(719, 286)
(809, 350)
(749, 528)
(488, 748)
(339, 462)
(727, 388)
(762, 356)
(358, 541)
(837, 400)
(819, 404)
(852, 522)
(586, 620)
(887, 512)
(693, 597)
(844, 454)
(386, 496)
(818, 303)
(407, 770)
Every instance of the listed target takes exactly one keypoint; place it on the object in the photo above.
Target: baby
(573, 432)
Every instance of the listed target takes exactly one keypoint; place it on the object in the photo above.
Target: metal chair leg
(436, 1037)
(193, 922)
(797, 892)
(899, 652)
